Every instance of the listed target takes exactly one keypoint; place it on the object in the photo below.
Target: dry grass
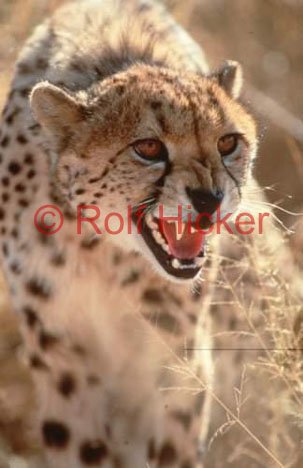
(258, 418)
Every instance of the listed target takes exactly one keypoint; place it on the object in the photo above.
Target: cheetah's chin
(173, 261)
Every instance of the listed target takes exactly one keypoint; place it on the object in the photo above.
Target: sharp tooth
(179, 229)
(160, 240)
(157, 236)
(175, 263)
(153, 225)
(165, 247)
(150, 222)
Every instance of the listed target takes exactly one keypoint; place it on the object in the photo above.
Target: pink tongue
(190, 244)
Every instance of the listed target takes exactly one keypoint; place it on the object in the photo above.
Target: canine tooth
(175, 263)
(179, 232)
(157, 236)
(165, 247)
(153, 223)
(178, 235)
(150, 222)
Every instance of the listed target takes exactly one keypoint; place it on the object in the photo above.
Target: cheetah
(115, 120)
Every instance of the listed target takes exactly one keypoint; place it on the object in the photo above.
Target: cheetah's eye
(150, 150)
(228, 144)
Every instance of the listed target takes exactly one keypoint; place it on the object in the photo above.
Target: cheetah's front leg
(183, 377)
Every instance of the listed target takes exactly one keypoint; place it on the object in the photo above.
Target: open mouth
(177, 246)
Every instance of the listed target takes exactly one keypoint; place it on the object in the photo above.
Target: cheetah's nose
(205, 201)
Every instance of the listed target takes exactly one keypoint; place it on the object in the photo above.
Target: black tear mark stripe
(236, 182)
(167, 171)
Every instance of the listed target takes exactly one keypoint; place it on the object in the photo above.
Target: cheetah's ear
(56, 110)
(230, 78)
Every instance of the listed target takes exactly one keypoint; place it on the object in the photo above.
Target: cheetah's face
(153, 145)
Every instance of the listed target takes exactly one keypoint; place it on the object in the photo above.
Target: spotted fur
(107, 337)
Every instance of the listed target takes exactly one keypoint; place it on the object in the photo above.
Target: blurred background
(266, 36)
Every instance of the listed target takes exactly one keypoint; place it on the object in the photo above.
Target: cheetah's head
(162, 148)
